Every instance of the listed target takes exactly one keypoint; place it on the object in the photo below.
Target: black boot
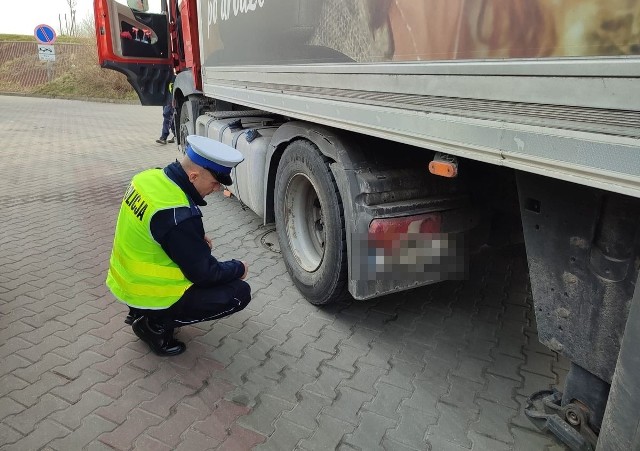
(160, 341)
(133, 315)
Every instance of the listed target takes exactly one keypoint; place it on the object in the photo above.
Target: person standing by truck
(168, 124)
(161, 264)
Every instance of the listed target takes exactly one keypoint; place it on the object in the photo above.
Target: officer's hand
(246, 269)
(209, 242)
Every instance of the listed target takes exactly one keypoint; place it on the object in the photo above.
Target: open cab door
(136, 43)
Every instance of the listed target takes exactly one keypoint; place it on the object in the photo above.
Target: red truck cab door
(135, 43)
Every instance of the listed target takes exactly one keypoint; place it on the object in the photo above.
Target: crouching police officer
(161, 264)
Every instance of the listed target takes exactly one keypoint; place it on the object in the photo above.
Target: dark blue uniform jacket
(180, 232)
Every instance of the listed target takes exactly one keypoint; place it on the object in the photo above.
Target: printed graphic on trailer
(367, 31)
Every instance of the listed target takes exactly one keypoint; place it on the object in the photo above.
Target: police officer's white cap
(213, 155)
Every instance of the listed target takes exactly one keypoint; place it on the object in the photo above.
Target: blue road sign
(45, 34)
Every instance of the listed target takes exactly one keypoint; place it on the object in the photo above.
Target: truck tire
(310, 224)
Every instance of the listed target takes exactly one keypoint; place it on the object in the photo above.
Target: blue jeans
(167, 123)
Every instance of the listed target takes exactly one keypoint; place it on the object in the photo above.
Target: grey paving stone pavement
(445, 367)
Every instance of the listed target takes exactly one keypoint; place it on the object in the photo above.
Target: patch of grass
(76, 73)
(31, 38)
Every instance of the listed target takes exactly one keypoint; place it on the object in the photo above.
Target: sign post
(46, 36)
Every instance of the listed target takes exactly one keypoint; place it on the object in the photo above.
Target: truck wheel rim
(304, 222)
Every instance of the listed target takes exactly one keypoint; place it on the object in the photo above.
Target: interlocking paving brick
(452, 426)
(287, 434)
(314, 325)
(13, 345)
(261, 348)
(214, 337)
(306, 411)
(75, 332)
(120, 339)
(169, 432)
(328, 434)
(216, 424)
(126, 433)
(241, 438)
(34, 371)
(379, 355)
(26, 420)
(348, 405)
(8, 435)
(500, 390)
(73, 415)
(387, 401)
(111, 365)
(228, 350)
(534, 382)
(118, 411)
(9, 407)
(327, 382)
(361, 338)
(437, 443)
(241, 364)
(30, 394)
(161, 405)
(482, 443)
(345, 359)
(74, 368)
(525, 440)
(40, 319)
(506, 366)
(412, 427)
(46, 431)
(368, 435)
(196, 441)
(72, 391)
(401, 374)
(146, 443)
(461, 393)
(493, 421)
(295, 343)
(92, 427)
(311, 361)
(72, 350)
(263, 416)
(472, 369)
(9, 383)
(538, 363)
(38, 335)
(13, 362)
(365, 378)
(113, 386)
(425, 397)
(290, 385)
(214, 391)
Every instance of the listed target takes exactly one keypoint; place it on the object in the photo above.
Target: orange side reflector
(443, 168)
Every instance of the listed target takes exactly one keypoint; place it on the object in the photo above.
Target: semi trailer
(388, 140)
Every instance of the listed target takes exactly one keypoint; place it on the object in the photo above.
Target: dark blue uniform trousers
(199, 304)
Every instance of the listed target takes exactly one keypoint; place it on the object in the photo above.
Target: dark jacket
(180, 232)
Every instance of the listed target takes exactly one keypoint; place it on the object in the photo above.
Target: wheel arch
(331, 143)
(184, 89)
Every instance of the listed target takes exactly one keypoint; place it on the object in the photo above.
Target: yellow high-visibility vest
(141, 274)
